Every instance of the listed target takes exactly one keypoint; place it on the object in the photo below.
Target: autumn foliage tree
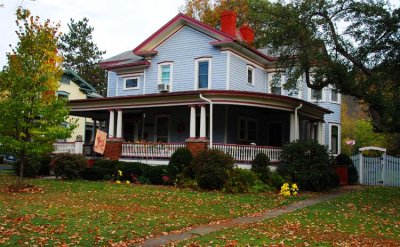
(31, 115)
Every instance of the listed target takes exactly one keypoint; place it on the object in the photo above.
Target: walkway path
(206, 229)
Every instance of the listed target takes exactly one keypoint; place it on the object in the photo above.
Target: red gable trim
(178, 17)
(116, 66)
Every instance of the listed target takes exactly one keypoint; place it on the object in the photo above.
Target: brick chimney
(247, 33)
(228, 22)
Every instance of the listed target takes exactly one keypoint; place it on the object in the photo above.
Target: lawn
(370, 217)
(84, 213)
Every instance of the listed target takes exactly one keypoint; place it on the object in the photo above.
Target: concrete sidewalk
(206, 229)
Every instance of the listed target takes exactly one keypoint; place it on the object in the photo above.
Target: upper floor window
(275, 82)
(316, 95)
(165, 73)
(131, 83)
(335, 96)
(63, 95)
(250, 74)
(203, 73)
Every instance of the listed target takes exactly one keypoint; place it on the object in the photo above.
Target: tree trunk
(21, 167)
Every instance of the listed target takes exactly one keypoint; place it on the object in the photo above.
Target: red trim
(156, 143)
(204, 92)
(145, 63)
(178, 17)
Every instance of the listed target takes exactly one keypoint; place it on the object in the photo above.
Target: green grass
(98, 213)
(370, 217)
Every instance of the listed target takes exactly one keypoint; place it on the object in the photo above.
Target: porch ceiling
(98, 107)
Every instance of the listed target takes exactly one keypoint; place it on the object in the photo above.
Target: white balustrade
(246, 153)
(150, 150)
(64, 147)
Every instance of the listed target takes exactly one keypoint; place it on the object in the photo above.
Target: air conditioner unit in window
(163, 87)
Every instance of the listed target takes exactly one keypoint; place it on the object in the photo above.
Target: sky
(119, 25)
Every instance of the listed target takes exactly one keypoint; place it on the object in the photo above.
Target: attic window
(131, 83)
(250, 75)
(65, 79)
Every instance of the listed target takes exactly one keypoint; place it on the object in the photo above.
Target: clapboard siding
(238, 76)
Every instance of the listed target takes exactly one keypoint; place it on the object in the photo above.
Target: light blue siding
(123, 92)
(238, 76)
(112, 80)
(182, 49)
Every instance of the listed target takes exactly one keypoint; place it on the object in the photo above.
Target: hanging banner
(100, 142)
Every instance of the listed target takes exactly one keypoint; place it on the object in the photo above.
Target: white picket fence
(384, 170)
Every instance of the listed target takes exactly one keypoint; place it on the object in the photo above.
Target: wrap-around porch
(239, 123)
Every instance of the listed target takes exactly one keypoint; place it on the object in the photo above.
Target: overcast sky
(119, 25)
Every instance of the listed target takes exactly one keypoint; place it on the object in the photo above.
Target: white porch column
(192, 121)
(321, 136)
(111, 125)
(119, 124)
(296, 126)
(202, 122)
(292, 134)
(93, 130)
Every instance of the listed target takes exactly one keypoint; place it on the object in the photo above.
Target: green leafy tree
(352, 45)
(82, 55)
(31, 115)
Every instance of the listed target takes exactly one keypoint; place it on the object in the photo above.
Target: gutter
(211, 118)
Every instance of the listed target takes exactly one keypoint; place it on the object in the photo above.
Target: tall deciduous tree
(82, 55)
(31, 116)
(353, 45)
(209, 11)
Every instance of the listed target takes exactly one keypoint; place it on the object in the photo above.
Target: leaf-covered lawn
(98, 213)
(370, 217)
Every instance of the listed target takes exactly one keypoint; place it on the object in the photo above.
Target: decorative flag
(350, 142)
(100, 142)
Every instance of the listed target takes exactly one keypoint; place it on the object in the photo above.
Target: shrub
(240, 181)
(130, 170)
(109, 165)
(344, 159)
(94, 173)
(179, 161)
(211, 168)
(69, 165)
(31, 167)
(276, 180)
(155, 174)
(307, 163)
(260, 165)
(45, 162)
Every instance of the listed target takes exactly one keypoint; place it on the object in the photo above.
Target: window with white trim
(315, 95)
(250, 74)
(165, 73)
(334, 95)
(203, 73)
(131, 82)
(63, 95)
(334, 138)
(247, 129)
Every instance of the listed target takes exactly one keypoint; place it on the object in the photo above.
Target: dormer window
(250, 74)
(203, 73)
(131, 83)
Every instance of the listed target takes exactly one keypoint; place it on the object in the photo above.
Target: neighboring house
(191, 81)
(73, 87)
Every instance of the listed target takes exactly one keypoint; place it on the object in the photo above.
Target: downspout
(296, 122)
(211, 119)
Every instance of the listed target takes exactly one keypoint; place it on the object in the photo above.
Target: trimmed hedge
(260, 165)
(344, 159)
(308, 164)
(211, 168)
(69, 166)
(31, 167)
(180, 161)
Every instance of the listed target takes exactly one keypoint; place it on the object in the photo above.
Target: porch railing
(246, 153)
(150, 150)
(68, 147)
